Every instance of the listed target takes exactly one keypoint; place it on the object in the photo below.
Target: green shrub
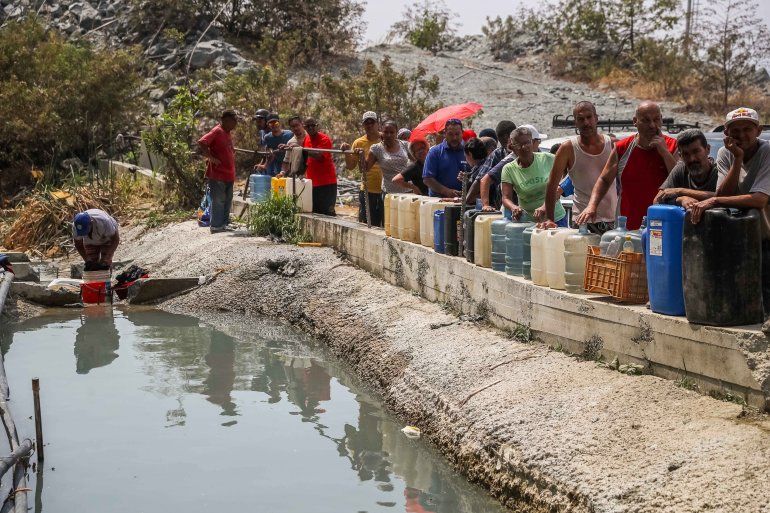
(427, 25)
(276, 217)
(172, 137)
(60, 99)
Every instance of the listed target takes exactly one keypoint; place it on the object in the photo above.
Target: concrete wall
(735, 360)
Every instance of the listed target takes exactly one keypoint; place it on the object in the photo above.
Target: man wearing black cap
(272, 140)
(261, 119)
(217, 147)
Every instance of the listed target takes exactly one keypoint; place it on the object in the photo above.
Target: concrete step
(150, 290)
(39, 294)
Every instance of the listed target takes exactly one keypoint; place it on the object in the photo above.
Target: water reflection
(96, 340)
(182, 360)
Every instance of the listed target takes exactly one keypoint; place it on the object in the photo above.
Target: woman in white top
(392, 155)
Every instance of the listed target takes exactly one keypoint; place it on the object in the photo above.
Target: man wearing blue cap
(96, 237)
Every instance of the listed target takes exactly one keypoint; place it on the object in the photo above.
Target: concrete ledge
(39, 294)
(138, 173)
(149, 290)
(736, 360)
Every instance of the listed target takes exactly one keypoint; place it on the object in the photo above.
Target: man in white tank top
(583, 157)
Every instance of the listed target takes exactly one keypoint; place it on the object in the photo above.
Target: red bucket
(94, 293)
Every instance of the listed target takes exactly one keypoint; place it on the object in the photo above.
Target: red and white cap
(742, 113)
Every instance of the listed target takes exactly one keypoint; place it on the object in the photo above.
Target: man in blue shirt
(272, 139)
(445, 161)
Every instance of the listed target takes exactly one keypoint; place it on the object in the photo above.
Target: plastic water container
(554, 255)
(260, 187)
(665, 226)
(386, 213)
(722, 268)
(610, 235)
(575, 251)
(452, 229)
(469, 231)
(539, 263)
(498, 243)
(526, 253)
(395, 199)
(482, 240)
(302, 191)
(278, 185)
(636, 236)
(438, 231)
(427, 209)
(406, 226)
(479, 205)
(514, 247)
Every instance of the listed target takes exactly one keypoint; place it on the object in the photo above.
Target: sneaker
(217, 230)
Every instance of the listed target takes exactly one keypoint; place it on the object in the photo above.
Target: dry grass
(42, 221)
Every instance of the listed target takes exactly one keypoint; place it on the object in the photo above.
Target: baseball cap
(82, 224)
(468, 134)
(261, 113)
(488, 132)
(742, 113)
(369, 115)
(404, 132)
(535, 133)
(273, 116)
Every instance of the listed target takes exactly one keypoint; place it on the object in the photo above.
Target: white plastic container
(575, 251)
(482, 239)
(427, 209)
(386, 213)
(395, 199)
(539, 268)
(554, 255)
(406, 227)
(302, 190)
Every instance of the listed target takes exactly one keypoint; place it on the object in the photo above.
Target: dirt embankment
(541, 430)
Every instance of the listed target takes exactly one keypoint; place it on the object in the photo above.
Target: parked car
(716, 138)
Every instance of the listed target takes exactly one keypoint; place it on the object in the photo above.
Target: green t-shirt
(530, 183)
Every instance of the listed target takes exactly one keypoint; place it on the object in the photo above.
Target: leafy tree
(60, 99)
(426, 25)
(502, 33)
(172, 136)
(404, 98)
(735, 40)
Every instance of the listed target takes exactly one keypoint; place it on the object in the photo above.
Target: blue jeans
(221, 199)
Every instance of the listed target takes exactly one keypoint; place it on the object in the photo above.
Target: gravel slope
(549, 433)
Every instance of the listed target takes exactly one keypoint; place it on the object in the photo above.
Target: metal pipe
(5, 286)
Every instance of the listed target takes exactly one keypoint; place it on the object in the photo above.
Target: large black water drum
(470, 216)
(451, 229)
(721, 268)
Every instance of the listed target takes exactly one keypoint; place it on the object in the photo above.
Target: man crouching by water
(96, 238)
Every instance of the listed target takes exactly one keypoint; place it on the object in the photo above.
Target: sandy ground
(541, 430)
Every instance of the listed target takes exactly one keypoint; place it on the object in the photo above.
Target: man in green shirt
(528, 176)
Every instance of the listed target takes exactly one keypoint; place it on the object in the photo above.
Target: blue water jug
(526, 253)
(438, 231)
(260, 187)
(498, 244)
(479, 205)
(662, 241)
(514, 247)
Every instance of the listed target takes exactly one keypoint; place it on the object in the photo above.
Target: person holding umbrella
(445, 161)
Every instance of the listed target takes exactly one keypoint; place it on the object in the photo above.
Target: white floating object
(411, 432)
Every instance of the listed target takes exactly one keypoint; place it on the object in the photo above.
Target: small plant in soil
(687, 383)
(277, 217)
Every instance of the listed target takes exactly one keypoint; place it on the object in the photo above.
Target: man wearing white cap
(744, 179)
(371, 126)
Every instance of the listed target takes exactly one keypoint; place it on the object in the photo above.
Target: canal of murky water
(146, 411)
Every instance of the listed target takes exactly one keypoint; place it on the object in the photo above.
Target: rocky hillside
(524, 92)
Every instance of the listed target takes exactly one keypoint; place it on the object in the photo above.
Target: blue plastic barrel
(260, 187)
(663, 255)
(498, 244)
(438, 231)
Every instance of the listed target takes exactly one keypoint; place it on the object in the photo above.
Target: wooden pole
(38, 420)
(6, 462)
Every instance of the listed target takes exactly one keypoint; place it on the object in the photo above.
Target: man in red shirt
(641, 163)
(217, 147)
(320, 169)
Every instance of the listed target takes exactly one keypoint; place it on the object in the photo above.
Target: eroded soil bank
(541, 430)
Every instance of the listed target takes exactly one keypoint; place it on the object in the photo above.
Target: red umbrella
(436, 121)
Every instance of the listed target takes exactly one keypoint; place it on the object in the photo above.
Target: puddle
(154, 412)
